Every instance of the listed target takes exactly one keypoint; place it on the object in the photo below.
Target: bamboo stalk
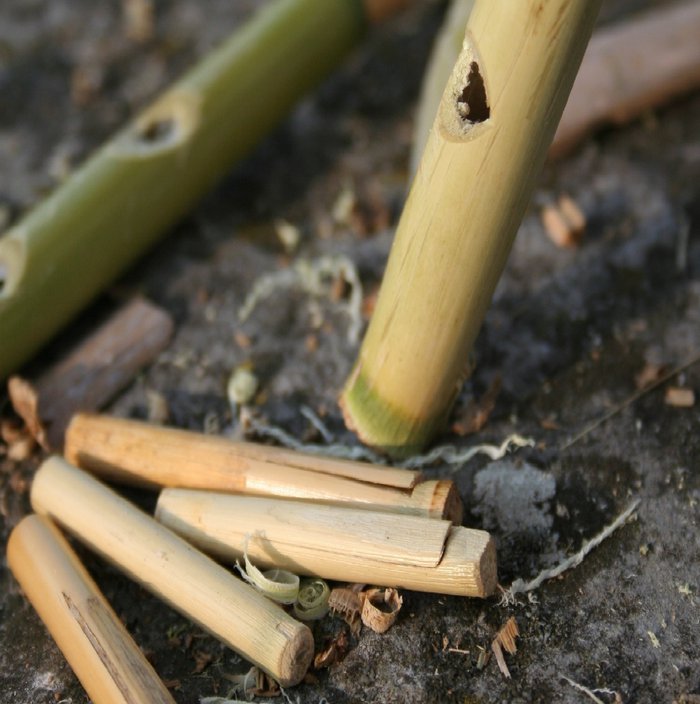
(335, 543)
(140, 183)
(93, 372)
(138, 453)
(632, 67)
(494, 125)
(103, 655)
(173, 570)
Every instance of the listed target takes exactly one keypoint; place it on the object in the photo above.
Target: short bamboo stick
(92, 372)
(489, 140)
(173, 570)
(112, 209)
(334, 542)
(96, 645)
(134, 452)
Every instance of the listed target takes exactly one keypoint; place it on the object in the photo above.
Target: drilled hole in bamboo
(472, 103)
(157, 131)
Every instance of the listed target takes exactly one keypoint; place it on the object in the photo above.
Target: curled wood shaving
(380, 608)
(279, 585)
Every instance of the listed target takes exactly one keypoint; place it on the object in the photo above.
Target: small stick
(93, 372)
(489, 140)
(335, 543)
(139, 453)
(173, 570)
(632, 67)
(103, 655)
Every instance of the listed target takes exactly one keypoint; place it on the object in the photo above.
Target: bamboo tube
(494, 125)
(103, 655)
(138, 453)
(334, 542)
(140, 183)
(632, 67)
(174, 571)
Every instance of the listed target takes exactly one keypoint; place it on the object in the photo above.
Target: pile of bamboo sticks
(329, 518)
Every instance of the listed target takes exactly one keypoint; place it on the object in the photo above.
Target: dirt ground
(568, 332)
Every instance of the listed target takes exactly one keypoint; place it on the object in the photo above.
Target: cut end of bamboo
(488, 568)
(379, 424)
(296, 656)
(441, 499)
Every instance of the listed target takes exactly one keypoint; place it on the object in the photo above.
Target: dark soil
(568, 332)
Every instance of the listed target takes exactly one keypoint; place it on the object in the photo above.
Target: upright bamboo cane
(489, 140)
(115, 207)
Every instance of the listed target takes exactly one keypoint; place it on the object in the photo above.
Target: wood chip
(96, 369)
(649, 375)
(564, 223)
(679, 397)
(505, 639)
(380, 609)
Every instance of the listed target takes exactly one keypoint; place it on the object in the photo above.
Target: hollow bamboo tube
(334, 542)
(96, 645)
(133, 452)
(173, 570)
(112, 209)
(494, 125)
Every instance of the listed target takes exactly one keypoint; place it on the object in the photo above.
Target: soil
(568, 332)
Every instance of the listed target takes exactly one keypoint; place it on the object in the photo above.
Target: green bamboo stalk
(140, 183)
(494, 124)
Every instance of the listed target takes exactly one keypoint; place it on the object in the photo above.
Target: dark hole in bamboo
(472, 103)
(157, 130)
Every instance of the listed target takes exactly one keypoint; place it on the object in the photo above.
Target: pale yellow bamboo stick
(96, 645)
(494, 124)
(335, 543)
(140, 453)
(173, 570)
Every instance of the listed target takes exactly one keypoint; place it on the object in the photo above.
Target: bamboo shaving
(311, 275)
(505, 639)
(279, 585)
(379, 619)
(312, 601)
(520, 586)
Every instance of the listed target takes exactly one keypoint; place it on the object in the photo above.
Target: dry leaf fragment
(333, 651)
(477, 413)
(380, 609)
(679, 397)
(650, 374)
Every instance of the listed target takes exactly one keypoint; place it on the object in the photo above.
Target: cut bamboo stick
(632, 67)
(91, 374)
(139, 453)
(112, 209)
(103, 655)
(173, 570)
(335, 542)
(489, 140)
